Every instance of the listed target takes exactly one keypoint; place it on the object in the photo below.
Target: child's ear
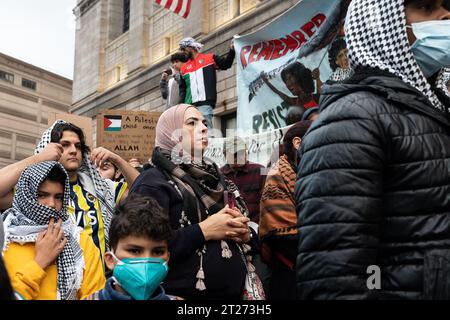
(110, 261)
(168, 256)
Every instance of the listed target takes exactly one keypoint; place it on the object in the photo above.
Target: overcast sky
(40, 32)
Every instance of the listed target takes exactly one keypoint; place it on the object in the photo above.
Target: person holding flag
(198, 77)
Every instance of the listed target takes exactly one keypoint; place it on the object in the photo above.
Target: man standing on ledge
(198, 77)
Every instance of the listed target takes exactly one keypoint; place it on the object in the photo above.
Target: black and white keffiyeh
(340, 74)
(376, 37)
(27, 218)
(89, 176)
(443, 81)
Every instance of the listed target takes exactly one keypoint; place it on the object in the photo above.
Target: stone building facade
(122, 46)
(27, 94)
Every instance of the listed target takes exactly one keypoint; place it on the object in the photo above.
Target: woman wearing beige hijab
(210, 251)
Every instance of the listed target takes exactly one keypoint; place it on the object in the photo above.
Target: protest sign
(283, 65)
(130, 134)
(260, 147)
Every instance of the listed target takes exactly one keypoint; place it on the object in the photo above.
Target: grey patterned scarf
(340, 74)
(27, 218)
(443, 81)
(376, 37)
(89, 175)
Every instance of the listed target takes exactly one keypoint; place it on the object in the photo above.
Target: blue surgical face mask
(432, 47)
(140, 277)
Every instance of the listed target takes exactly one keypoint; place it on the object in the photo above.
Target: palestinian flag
(112, 123)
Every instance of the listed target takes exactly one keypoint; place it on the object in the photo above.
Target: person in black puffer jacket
(373, 186)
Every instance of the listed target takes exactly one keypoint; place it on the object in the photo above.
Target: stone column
(197, 24)
(90, 41)
(138, 34)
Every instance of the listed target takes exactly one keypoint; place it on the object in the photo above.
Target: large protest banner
(130, 134)
(268, 80)
(85, 123)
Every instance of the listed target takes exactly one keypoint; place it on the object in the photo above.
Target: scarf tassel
(226, 252)
(200, 285)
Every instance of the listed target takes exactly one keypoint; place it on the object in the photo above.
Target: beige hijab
(169, 127)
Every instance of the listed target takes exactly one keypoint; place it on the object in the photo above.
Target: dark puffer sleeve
(338, 197)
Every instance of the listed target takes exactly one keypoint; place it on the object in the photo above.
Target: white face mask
(432, 47)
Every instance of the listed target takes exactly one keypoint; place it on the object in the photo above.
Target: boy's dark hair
(335, 48)
(301, 74)
(297, 130)
(179, 56)
(58, 132)
(294, 114)
(57, 175)
(139, 215)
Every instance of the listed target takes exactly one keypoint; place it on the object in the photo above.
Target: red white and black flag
(180, 7)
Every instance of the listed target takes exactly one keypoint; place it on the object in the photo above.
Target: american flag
(181, 7)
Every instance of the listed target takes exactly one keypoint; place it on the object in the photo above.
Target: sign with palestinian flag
(130, 134)
(112, 123)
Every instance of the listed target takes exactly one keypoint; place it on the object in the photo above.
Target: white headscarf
(190, 43)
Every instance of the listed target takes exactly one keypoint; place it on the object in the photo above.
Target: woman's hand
(243, 233)
(224, 226)
(49, 244)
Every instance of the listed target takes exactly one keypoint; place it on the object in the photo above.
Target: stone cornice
(84, 7)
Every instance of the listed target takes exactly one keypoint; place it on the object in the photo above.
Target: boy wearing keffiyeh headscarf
(47, 256)
(373, 188)
(92, 198)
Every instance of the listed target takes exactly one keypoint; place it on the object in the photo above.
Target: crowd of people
(361, 179)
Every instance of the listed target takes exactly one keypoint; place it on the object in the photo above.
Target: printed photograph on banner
(282, 67)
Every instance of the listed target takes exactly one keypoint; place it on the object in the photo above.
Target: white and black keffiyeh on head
(340, 74)
(88, 174)
(443, 81)
(376, 37)
(27, 218)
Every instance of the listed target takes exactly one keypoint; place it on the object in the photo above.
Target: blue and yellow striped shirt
(84, 210)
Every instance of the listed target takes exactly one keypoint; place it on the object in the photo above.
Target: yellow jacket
(33, 283)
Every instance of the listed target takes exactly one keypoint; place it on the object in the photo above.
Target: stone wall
(23, 111)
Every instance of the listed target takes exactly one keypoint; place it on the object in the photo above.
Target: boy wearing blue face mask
(138, 256)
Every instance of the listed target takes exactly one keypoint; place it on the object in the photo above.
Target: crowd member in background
(199, 79)
(92, 198)
(338, 58)
(278, 223)
(46, 255)
(170, 87)
(373, 185)
(139, 253)
(246, 175)
(210, 252)
(249, 178)
(311, 114)
(108, 170)
(6, 292)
